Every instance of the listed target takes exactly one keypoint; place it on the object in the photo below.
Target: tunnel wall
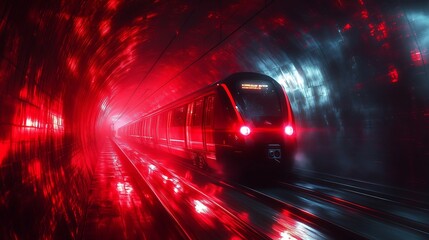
(358, 84)
(356, 73)
(48, 113)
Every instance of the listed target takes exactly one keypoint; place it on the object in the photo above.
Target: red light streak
(378, 31)
(280, 21)
(393, 74)
(23, 93)
(364, 14)
(151, 15)
(416, 57)
(35, 169)
(4, 149)
(80, 26)
(347, 27)
(72, 64)
(104, 27)
(382, 30)
(113, 4)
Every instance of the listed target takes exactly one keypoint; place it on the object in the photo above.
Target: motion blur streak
(356, 73)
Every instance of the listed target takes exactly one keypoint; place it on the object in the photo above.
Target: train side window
(162, 127)
(141, 127)
(145, 124)
(226, 117)
(209, 111)
(197, 113)
(154, 126)
(179, 116)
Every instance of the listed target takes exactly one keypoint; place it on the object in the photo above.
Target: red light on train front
(289, 130)
(245, 130)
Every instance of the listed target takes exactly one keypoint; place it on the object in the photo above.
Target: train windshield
(259, 102)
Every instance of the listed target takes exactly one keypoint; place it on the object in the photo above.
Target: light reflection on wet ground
(178, 184)
(121, 209)
(215, 212)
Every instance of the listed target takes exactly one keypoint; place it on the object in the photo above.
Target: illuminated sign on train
(254, 86)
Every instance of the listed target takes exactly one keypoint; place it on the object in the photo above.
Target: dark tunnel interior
(72, 72)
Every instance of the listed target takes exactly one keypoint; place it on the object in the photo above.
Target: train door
(168, 129)
(141, 123)
(146, 130)
(208, 126)
(177, 130)
(153, 130)
(162, 131)
(195, 132)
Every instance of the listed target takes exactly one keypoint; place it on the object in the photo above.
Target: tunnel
(72, 73)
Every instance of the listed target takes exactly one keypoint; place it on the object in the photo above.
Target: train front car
(262, 136)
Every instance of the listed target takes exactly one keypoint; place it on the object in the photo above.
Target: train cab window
(259, 101)
(225, 114)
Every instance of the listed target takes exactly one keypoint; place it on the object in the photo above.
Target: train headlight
(245, 130)
(289, 130)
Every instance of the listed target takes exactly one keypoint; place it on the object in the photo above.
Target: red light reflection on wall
(104, 27)
(4, 149)
(416, 57)
(80, 27)
(35, 169)
(364, 14)
(280, 21)
(382, 30)
(113, 4)
(347, 27)
(393, 74)
(72, 64)
(378, 31)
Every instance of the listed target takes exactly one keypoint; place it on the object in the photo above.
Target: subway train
(238, 125)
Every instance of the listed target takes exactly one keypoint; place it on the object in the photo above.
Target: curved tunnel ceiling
(356, 73)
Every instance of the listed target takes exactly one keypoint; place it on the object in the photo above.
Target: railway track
(306, 203)
(197, 215)
(399, 220)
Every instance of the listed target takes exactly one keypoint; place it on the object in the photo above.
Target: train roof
(229, 79)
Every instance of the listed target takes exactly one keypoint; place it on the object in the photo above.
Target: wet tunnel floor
(119, 208)
(130, 198)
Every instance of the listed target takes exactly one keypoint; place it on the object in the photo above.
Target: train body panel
(242, 122)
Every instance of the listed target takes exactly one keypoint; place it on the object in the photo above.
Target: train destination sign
(254, 86)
